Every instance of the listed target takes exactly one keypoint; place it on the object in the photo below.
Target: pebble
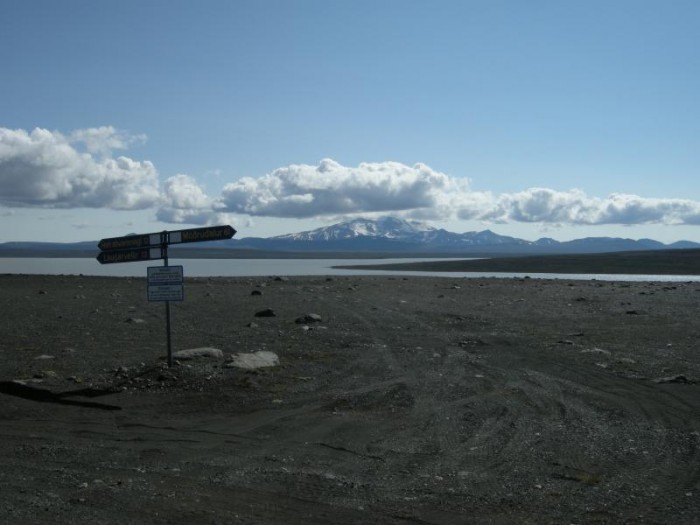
(308, 318)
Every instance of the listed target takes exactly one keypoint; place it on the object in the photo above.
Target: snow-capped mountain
(391, 234)
(399, 230)
(386, 227)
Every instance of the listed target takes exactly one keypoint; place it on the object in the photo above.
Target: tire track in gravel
(433, 438)
(649, 408)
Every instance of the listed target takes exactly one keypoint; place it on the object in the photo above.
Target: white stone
(261, 359)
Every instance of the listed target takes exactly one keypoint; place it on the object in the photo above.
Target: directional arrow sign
(212, 233)
(131, 241)
(122, 256)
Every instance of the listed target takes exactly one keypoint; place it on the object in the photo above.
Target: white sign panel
(165, 283)
(164, 275)
(166, 292)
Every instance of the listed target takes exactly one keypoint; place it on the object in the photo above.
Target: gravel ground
(412, 400)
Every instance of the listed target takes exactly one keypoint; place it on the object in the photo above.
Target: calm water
(268, 267)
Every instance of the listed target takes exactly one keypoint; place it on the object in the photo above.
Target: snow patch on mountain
(385, 227)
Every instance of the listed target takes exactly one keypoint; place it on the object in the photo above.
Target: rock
(134, 320)
(282, 279)
(261, 359)
(194, 353)
(673, 379)
(252, 325)
(595, 350)
(44, 357)
(45, 374)
(308, 319)
(267, 312)
(256, 292)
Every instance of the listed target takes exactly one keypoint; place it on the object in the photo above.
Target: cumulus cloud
(104, 140)
(185, 201)
(541, 205)
(183, 192)
(419, 192)
(46, 168)
(330, 189)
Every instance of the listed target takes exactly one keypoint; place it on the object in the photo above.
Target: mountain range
(386, 235)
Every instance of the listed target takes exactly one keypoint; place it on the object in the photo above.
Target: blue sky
(532, 118)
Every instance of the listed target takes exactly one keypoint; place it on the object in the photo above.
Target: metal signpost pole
(167, 304)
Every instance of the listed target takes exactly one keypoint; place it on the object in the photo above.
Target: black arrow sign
(122, 256)
(131, 241)
(212, 233)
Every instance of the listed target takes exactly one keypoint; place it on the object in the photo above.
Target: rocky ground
(401, 401)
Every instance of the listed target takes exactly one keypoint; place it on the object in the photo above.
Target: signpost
(165, 283)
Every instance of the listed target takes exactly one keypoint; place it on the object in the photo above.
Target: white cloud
(328, 189)
(541, 205)
(419, 192)
(185, 201)
(45, 168)
(105, 139)
(183, 192)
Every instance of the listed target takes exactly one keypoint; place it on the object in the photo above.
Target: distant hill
(392, 235)
(648, 262)
(387, 236)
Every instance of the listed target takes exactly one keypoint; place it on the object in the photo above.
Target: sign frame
(165, 283)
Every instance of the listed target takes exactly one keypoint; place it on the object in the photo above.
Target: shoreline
(653, 262)
(677, 262)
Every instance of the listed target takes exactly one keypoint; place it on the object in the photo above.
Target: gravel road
(405, 400)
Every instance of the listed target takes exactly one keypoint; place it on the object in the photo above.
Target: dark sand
(650, 262)
(414, 401)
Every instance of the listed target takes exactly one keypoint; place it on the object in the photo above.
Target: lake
(288, 267)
